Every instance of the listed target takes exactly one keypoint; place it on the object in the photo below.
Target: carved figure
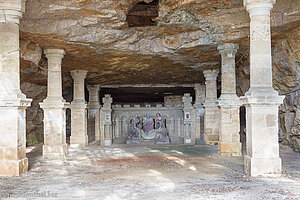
(148, 123)
(134, 128)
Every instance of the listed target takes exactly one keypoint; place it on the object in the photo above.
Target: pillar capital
(54, 55)
(259, 7)
(228, 49)
(93, 95)
(211, 74)
(93, 88)
(12, 10)
(78, 75)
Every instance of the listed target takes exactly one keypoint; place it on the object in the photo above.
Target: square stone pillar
(106, 121)
(13, 103)
(94, 108)
(200, 110)
(54, 107)
(211, 117)
(189, 120)
(229, 104)
(79, 137)
(261, 101)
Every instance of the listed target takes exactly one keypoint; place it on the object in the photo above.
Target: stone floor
(148, 172)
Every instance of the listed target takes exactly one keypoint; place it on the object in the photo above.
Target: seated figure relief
(149, 129)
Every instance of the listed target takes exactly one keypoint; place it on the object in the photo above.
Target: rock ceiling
(181, 42)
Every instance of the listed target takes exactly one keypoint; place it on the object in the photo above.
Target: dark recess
(143, 14)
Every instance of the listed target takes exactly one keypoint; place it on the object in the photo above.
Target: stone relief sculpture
(148, 129)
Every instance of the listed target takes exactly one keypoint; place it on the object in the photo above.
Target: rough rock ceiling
(98, 38)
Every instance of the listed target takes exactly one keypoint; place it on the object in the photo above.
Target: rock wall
(286, 76)
(34, 114)
(286, 80)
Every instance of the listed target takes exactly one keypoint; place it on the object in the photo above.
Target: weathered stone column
(13, 103)
(106, 121)
(229, 104)
(79, 137)
(261, 100)
(211, 118)
(94, 108)
(199, 106)
(54, 107)
(189, 120)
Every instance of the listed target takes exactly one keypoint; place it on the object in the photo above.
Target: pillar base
(211, 139)
(230, 149)
(262, 166)
(55, 151)
(13, 167)
(79, 141)
(105, 142)
(189, 141)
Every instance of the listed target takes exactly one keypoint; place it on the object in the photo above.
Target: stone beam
(261, 101)
(229, 104)
(148, 86)
(13, 103)
(54, 107)
(79, 137)
(211, 118)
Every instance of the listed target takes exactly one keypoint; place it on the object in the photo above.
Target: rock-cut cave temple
(223, 73)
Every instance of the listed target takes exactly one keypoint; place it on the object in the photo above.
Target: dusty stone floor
(148, 172)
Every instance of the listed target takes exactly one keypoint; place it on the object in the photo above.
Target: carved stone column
(106, 121)
(261, 101)
(211, 118)
(189, 120)
(13, 103)
(94, 108)
(54, 107)
(200, 111)
(79, 137)
(229, 104)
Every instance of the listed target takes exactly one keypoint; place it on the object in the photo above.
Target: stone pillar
(79, 137)
(13, 103)
(211, 118)
(106, 121)
(261, 101)
(54, 107)
(94, 108)
(229, 104)
(189, 120)
(199, 106)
